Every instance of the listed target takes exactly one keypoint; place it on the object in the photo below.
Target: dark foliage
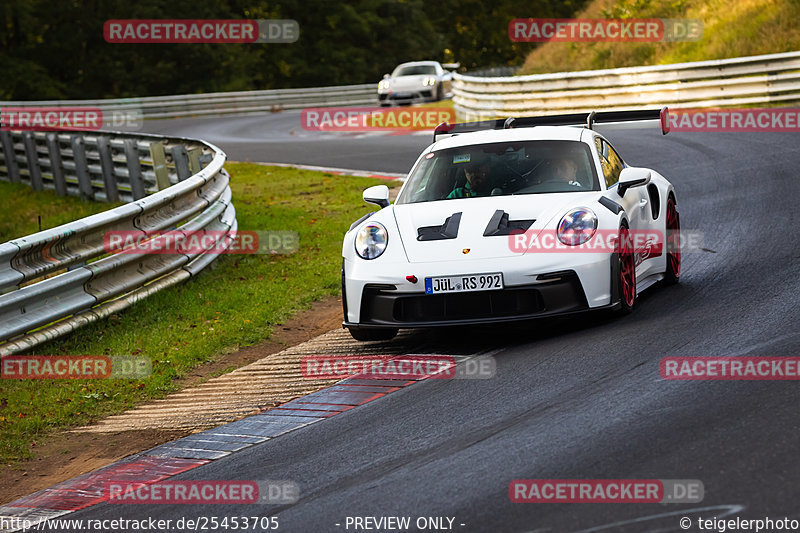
(54, 49)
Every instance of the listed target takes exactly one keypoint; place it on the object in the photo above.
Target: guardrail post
(55, 164)
(160, 165)
(107, 168)
(181, 160)
(134, 169)
(81, 168)
(194, 160)
(10, 156)
(34, 172)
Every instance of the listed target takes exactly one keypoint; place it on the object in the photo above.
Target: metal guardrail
(223, 103)
(57, 280)
(741, 81)
(493, 72)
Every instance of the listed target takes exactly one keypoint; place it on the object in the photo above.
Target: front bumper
(381, 307)
(408, 97)
(390, 301)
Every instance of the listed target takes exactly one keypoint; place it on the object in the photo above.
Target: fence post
(32, 155)
(81, 168)
(10, 156)
(55, 164)
(160, 165)
(134, 169)
(194, 160)
(181, 160)
(107, 168)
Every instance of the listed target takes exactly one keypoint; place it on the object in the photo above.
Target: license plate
(465, 283)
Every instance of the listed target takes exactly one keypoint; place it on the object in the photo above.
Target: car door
(635, 203)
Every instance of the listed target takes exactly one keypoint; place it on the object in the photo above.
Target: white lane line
(335, 170)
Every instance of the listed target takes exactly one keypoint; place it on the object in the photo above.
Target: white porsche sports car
(416, 82)
(511, 219)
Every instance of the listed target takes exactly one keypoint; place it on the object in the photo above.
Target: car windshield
(501, 169)
(414, 70)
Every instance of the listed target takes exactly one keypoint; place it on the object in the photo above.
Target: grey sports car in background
(415, 82)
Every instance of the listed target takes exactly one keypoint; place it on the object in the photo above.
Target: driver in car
(478, 183)
(565, 169)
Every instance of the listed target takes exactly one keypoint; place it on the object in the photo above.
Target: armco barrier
(242, 102)
(755, 80)
(56, 280)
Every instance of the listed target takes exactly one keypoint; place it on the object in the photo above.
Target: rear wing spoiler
(588, 120)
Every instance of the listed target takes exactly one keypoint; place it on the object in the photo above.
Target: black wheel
(439, 92)
(372, 334)
(626, 272)
(673, 272)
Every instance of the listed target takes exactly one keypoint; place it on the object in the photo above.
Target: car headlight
(371, 241)
(383, 84)
(429, 81)
(577, 226)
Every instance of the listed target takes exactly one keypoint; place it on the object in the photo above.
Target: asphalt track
(578, 398)
(280, 138)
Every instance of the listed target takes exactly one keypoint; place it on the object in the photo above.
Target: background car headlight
(429, 81)
(383, 84)
(371, 241)
(577, 226)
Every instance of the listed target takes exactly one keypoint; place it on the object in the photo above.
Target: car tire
(372, 334)
(439, 92)
(626, 272)
(673, 240)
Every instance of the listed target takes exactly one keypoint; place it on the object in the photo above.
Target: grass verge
(234, 303)
(22, 207)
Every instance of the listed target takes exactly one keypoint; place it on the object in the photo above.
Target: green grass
(234, 303)
(22, 206)
(447, 103)
(732, 28)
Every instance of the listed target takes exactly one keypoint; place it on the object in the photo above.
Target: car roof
(416, 63)
(536, 133)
